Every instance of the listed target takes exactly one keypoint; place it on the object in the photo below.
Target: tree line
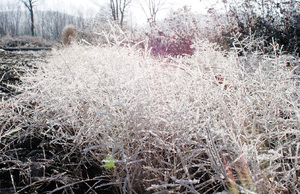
(49, 24)
(32, 22)
(270, 19)
(16, 21)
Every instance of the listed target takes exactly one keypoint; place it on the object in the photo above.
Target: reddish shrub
(176, 36)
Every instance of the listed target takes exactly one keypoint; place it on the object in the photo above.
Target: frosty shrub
(68, 33)
(106, 33)
(176, 35)
(179, 31)
(203, 123)
(113, 34)
(270, 19)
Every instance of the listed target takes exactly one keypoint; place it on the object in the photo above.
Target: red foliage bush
(177, 35)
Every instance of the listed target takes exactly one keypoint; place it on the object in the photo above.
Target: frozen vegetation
(117, 119)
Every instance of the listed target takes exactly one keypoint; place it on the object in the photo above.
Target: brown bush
(68, 33)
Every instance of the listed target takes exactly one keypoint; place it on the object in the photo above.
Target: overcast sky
(89, 8)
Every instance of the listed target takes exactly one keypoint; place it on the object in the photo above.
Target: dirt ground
(29, 161)
(12, 65)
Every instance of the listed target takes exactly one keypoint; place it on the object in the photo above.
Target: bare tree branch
(151, 8)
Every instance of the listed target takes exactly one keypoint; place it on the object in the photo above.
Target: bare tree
(29, 4)
(150, 8)
(118, 8)
(10, 19)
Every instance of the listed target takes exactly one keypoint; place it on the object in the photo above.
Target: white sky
(89, 9)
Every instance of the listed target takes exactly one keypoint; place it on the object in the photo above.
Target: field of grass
(116, 119)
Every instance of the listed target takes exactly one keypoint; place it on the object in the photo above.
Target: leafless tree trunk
(114, 6)
(17, 20)
(29, 4)
(118, 9)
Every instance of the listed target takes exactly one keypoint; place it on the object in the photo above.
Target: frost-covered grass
(205, 123)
